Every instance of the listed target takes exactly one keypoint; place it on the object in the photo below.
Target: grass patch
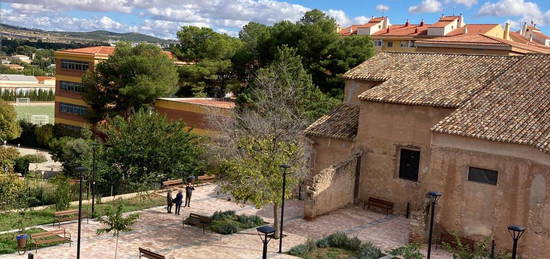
(24, 112)
(228, 222)
(336, 246)
(8, 244)
(45, 216)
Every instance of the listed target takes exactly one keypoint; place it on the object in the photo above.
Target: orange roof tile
(212, 102)
(42, 78)
(402, 30)
(472, 29)
(97, 50)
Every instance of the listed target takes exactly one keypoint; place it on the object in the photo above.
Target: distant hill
(92, 36)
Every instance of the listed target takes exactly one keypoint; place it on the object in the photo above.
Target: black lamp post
(285, 167)
(81, 170)
(94, 148)
(267, 232)
(516, 232)
(434, 196)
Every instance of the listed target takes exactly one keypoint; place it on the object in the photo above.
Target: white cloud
(382, 8)
(427, 6)
(527, 11)
(467, 3)
(122, 6)
(343, 20)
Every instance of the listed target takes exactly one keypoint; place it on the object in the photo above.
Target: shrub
(35, 158)
(250, 221)
(368, 251)
(338, 240)
(410, 251)
(225, 227)
(353, 244)
(44, 134)
(21, 166)
(219, 215)
(62, 193)
(299, 250)
(323, 243)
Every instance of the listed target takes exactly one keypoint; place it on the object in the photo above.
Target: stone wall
(327, 152)
(331, 189)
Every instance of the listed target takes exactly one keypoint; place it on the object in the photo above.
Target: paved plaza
(163, 233)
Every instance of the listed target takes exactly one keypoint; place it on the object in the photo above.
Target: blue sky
(163, 18)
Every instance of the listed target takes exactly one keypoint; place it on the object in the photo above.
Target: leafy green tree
(7, 159)
(116, 222)
(133, 77)
(148, 148)
(71, 153)
(210, 53)
(62, 193)
(9, 127)
(266, 131)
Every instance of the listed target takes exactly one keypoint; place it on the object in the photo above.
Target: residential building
(474, 127)
(22, 58)
(15, 67)
(450, 34)
(195, 112)
(70, 108)
(22, 84)
(533, 34)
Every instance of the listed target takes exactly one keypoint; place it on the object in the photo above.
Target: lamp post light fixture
(516, 232)
(434, 196)
(267, 232)
(81, 170)
(284, 167)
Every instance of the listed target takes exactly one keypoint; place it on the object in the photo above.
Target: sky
(163, 18)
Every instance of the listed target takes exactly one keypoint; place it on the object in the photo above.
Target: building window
(74, 65)
(70, 86)
(378, 43)
(411, 44)
(73, 109)
(390, 44)
(403, 44)
(481, 175)
(379, 26)
(409, 163)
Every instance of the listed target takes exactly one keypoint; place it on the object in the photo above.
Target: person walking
(188, 192)
(169, 201)
(178, 200)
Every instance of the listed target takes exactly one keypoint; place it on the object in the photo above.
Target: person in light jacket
(188, 192)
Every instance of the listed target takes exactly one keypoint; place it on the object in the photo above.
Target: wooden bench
(48, 237)
(196, 219)
(206, 178)
(382, 204)
(148, 254)
(67, 215)
(172, 183)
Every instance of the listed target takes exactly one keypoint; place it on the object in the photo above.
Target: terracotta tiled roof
(463, 39)
(402, 30)
(340, 123)
(529, 46)
(212, 102)
(514, 108)
(439, 24)
(438, 80)
(472, 29)
(97, 50)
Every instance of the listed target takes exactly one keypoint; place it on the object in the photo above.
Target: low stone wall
(331, 189)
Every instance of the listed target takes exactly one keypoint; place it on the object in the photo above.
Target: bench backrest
(206, 177)
(201, 217)
(172, 182)
(382, 202)
(48, 233)
(150, 254)
(65, 212)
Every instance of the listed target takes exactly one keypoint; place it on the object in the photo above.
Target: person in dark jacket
(169, 201)
(178, 201)
(188, 191)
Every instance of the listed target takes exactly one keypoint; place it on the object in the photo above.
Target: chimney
(506, 35)
(523, 30)
(421, 23)
(465, 30)
(386, 22)
(407, 23)
(530, 37)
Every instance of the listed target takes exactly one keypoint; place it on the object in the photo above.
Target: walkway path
(163, 233)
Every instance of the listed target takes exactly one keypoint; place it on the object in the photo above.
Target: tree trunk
(116, 246)
(276, 223)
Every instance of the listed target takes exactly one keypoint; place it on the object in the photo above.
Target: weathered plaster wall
(383, 129)
(354, 88)
(331, 189)
(476, 210)
(328, 151)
